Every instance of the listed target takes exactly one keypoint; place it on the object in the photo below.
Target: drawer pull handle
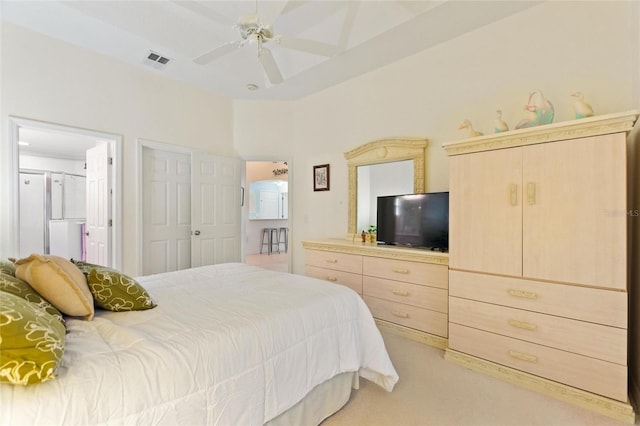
(523, 325)
(523, 357)
(332, 279)
(400, 293)
(401, 270)
(331, 260)
(400, 314)
(522, 293)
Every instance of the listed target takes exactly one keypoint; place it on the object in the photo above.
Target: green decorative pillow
(22, 289)
(31, 342)
(7, 267)
(113, 290)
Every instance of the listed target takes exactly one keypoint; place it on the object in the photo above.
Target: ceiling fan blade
(270, 66)
(309, 46)
(347, 25)
(216, 53)
(200, 9)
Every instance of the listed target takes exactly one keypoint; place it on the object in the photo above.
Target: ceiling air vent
(156, 60)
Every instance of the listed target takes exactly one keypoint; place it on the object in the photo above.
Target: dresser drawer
(411, 272)
(409, 294)
(409, 316)
(581, 303)
(353, 281)
(593, 375)
(585, 338)
(336, 261)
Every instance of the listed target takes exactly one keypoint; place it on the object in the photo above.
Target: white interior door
(166, 211)
(98, 184)
(216, 210)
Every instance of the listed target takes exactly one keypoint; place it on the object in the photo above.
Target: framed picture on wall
(321, 177)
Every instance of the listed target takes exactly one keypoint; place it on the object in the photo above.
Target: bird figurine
(466, 124)
(499, 125)
(581, 108)
(540, 109)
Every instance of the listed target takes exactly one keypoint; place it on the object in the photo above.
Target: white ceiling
(363, 35)
(55, 144)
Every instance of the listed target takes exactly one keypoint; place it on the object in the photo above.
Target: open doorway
(266, 213)
(66, 187)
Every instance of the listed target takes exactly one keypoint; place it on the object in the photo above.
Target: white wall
(48, 80)
(558, 47)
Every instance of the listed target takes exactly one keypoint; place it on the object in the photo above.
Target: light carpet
(433, 391)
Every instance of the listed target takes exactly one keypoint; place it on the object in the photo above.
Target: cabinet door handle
(522, 293)
(400, 314)
(400, 293)
(513, 194)
(332, 279)
(531, 193)
(331, 260)
(522, 356)
(401, 270)
(522, 324)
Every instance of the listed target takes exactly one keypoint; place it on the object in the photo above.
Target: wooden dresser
(405, 289)
(539, 259)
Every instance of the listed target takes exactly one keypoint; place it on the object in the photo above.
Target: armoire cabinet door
(574, 218)
(485, 212)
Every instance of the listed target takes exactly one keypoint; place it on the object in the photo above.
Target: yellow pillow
(59, 281)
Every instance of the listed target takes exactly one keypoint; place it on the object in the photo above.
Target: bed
(228, 344)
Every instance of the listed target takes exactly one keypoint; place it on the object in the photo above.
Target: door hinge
(110, 161)
(110, 222)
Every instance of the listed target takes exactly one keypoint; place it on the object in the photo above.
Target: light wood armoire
(538, 279)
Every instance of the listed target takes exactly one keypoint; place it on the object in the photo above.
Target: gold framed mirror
(412, 150)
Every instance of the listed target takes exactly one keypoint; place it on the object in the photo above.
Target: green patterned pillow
(22, 289)
(115, 291)
(31, 342)
(7, 267)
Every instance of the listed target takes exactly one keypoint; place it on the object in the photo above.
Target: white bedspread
(228, 344)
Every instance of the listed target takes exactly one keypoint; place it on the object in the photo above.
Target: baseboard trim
(413, 334)
(609, 407)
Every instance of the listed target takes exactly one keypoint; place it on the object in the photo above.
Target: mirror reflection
(377, 180)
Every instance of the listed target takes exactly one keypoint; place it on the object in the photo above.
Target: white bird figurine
(499, 124)
(541, 108)
(581, 108)
(466, 124)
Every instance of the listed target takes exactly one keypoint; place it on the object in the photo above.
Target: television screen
(414, 220)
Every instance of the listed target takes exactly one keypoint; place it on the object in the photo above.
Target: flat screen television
(414, 220)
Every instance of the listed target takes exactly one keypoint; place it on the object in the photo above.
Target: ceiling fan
(254, 32)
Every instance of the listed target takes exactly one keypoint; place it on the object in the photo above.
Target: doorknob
(197, 232)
